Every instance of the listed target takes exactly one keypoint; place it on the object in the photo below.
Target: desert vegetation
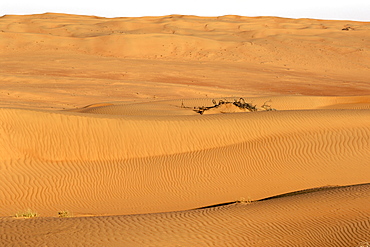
(242, 200)
(26, 214)
(240, 103)
(64, 214)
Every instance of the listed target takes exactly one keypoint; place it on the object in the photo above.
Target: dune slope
(91, 163)
(327, 217)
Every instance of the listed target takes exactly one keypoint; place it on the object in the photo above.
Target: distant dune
(98, 117)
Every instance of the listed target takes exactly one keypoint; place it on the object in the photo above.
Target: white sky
(320, 9)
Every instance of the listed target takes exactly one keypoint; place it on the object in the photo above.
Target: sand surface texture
(100, 117)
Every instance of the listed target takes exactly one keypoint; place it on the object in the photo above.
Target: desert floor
(100, 119)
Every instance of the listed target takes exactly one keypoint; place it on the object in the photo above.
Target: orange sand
(96, 117)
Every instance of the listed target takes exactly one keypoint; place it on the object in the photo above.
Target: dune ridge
(121, 146)
(171, 107)
(151, 161)
(335, 217)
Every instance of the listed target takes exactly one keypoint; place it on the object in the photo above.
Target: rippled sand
(97, 118)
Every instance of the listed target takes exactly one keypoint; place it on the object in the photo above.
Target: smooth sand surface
(97, 118)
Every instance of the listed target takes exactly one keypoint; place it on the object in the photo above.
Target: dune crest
(334, 217)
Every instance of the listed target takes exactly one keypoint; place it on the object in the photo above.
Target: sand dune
(87, 60)
(184, 106)
(152, 161)
(97, 118)
(330, 217)
(189, 37)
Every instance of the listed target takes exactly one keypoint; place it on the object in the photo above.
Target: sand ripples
(318, 218)
(157, 164)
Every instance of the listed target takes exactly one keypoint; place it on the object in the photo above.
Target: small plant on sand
(268, 107)
(242, 200)
(64, 213)
(26, 214)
